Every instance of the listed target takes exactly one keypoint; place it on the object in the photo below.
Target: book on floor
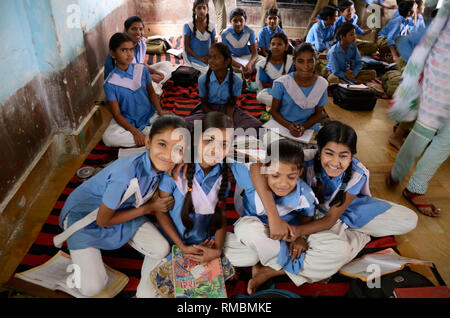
(56, 274)
(378, 264)
(422, 292)
(195, 280)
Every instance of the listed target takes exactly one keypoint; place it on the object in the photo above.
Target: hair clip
(189, 189)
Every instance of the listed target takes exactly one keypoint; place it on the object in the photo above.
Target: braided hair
(334, 131)
(226, 53)
(210, 120)
(282, 36)
(194, 20)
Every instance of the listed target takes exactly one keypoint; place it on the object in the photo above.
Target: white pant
(147, 240)
(250, 244)
(117, 136)
(166, 68)
(265, 98)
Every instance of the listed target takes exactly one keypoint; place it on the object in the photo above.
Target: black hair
(117, 39)
(129, 22)
(166, 121)
(328, 11)
(405, 8)
(289, 151)
(210, 120)
(419, 3)
(237, 12)
(345, 4)
(226, 53)
(276, 12)
(282, 36)
(196, 3)
(334, 131)
(343, 29)
(305, 47)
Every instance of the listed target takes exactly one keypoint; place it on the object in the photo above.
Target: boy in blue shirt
(399, 26)
(321, 33)
(344, 60)
(347, 14)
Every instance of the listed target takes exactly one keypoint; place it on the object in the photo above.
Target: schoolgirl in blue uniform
(199, 35)
(218, 89)
(341, 184)
(130, 95)
(109, 209)
(276, 64)
(159, 72)
(273, 26)
(241, 41)
(299, 97)
(304, 260)
(197, 221)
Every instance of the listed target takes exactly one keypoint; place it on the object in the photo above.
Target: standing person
(115, 203)
(221, 16)
(426, 99)
(198, 36)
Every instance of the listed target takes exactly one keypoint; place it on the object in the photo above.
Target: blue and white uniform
(340, 61)
(321, 36)
(139, 57)
(395, 28)
(250, 242)
(269, 75)
(131, 175)
(265, 34)
(239, 43)
(299, 103)
(354, 21)
(200, 42)
(129, 89)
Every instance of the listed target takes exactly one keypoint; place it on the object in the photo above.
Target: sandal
(389, 181)
(410, 196)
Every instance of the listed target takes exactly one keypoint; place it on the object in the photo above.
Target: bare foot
(260, 275)
(395, 142)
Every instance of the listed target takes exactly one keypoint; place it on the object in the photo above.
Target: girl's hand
(158, 204)
(190, 250)
(175, 171)
(207, 254)
(297, 247)
(211, 243)
(157, 77)
(296, 130)
(278, 229)
(139, 138)
(204, 59)
(247, 70)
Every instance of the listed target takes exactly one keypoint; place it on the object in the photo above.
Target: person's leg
(117, 136)
(396, 139)
(221, 16)
(397, 220)
(152, 244)
(365, 76)
(415, 143)
(366, 47)
(93, 276)
(239, 254)
(244, 120)
(333, 79)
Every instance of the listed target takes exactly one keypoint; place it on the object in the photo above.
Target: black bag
(354, 99)
(400, 279)
(185, 76)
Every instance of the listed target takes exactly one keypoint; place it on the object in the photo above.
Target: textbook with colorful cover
(378, 264)
(54, 273)
(195, 280)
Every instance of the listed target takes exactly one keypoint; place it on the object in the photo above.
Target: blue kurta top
(201, 48)
(242, 175)
(321, 36)
(109, 63)
(265, 34)
(239, 51)
(339, 61)
(219, 93)
(135, 106)
(199, 232)
(108, 186)
(363, 208)
(354, 21)
(289, 109)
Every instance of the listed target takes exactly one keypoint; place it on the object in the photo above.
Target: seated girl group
(305, 213)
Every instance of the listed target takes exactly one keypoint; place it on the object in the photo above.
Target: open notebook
(54, 275)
